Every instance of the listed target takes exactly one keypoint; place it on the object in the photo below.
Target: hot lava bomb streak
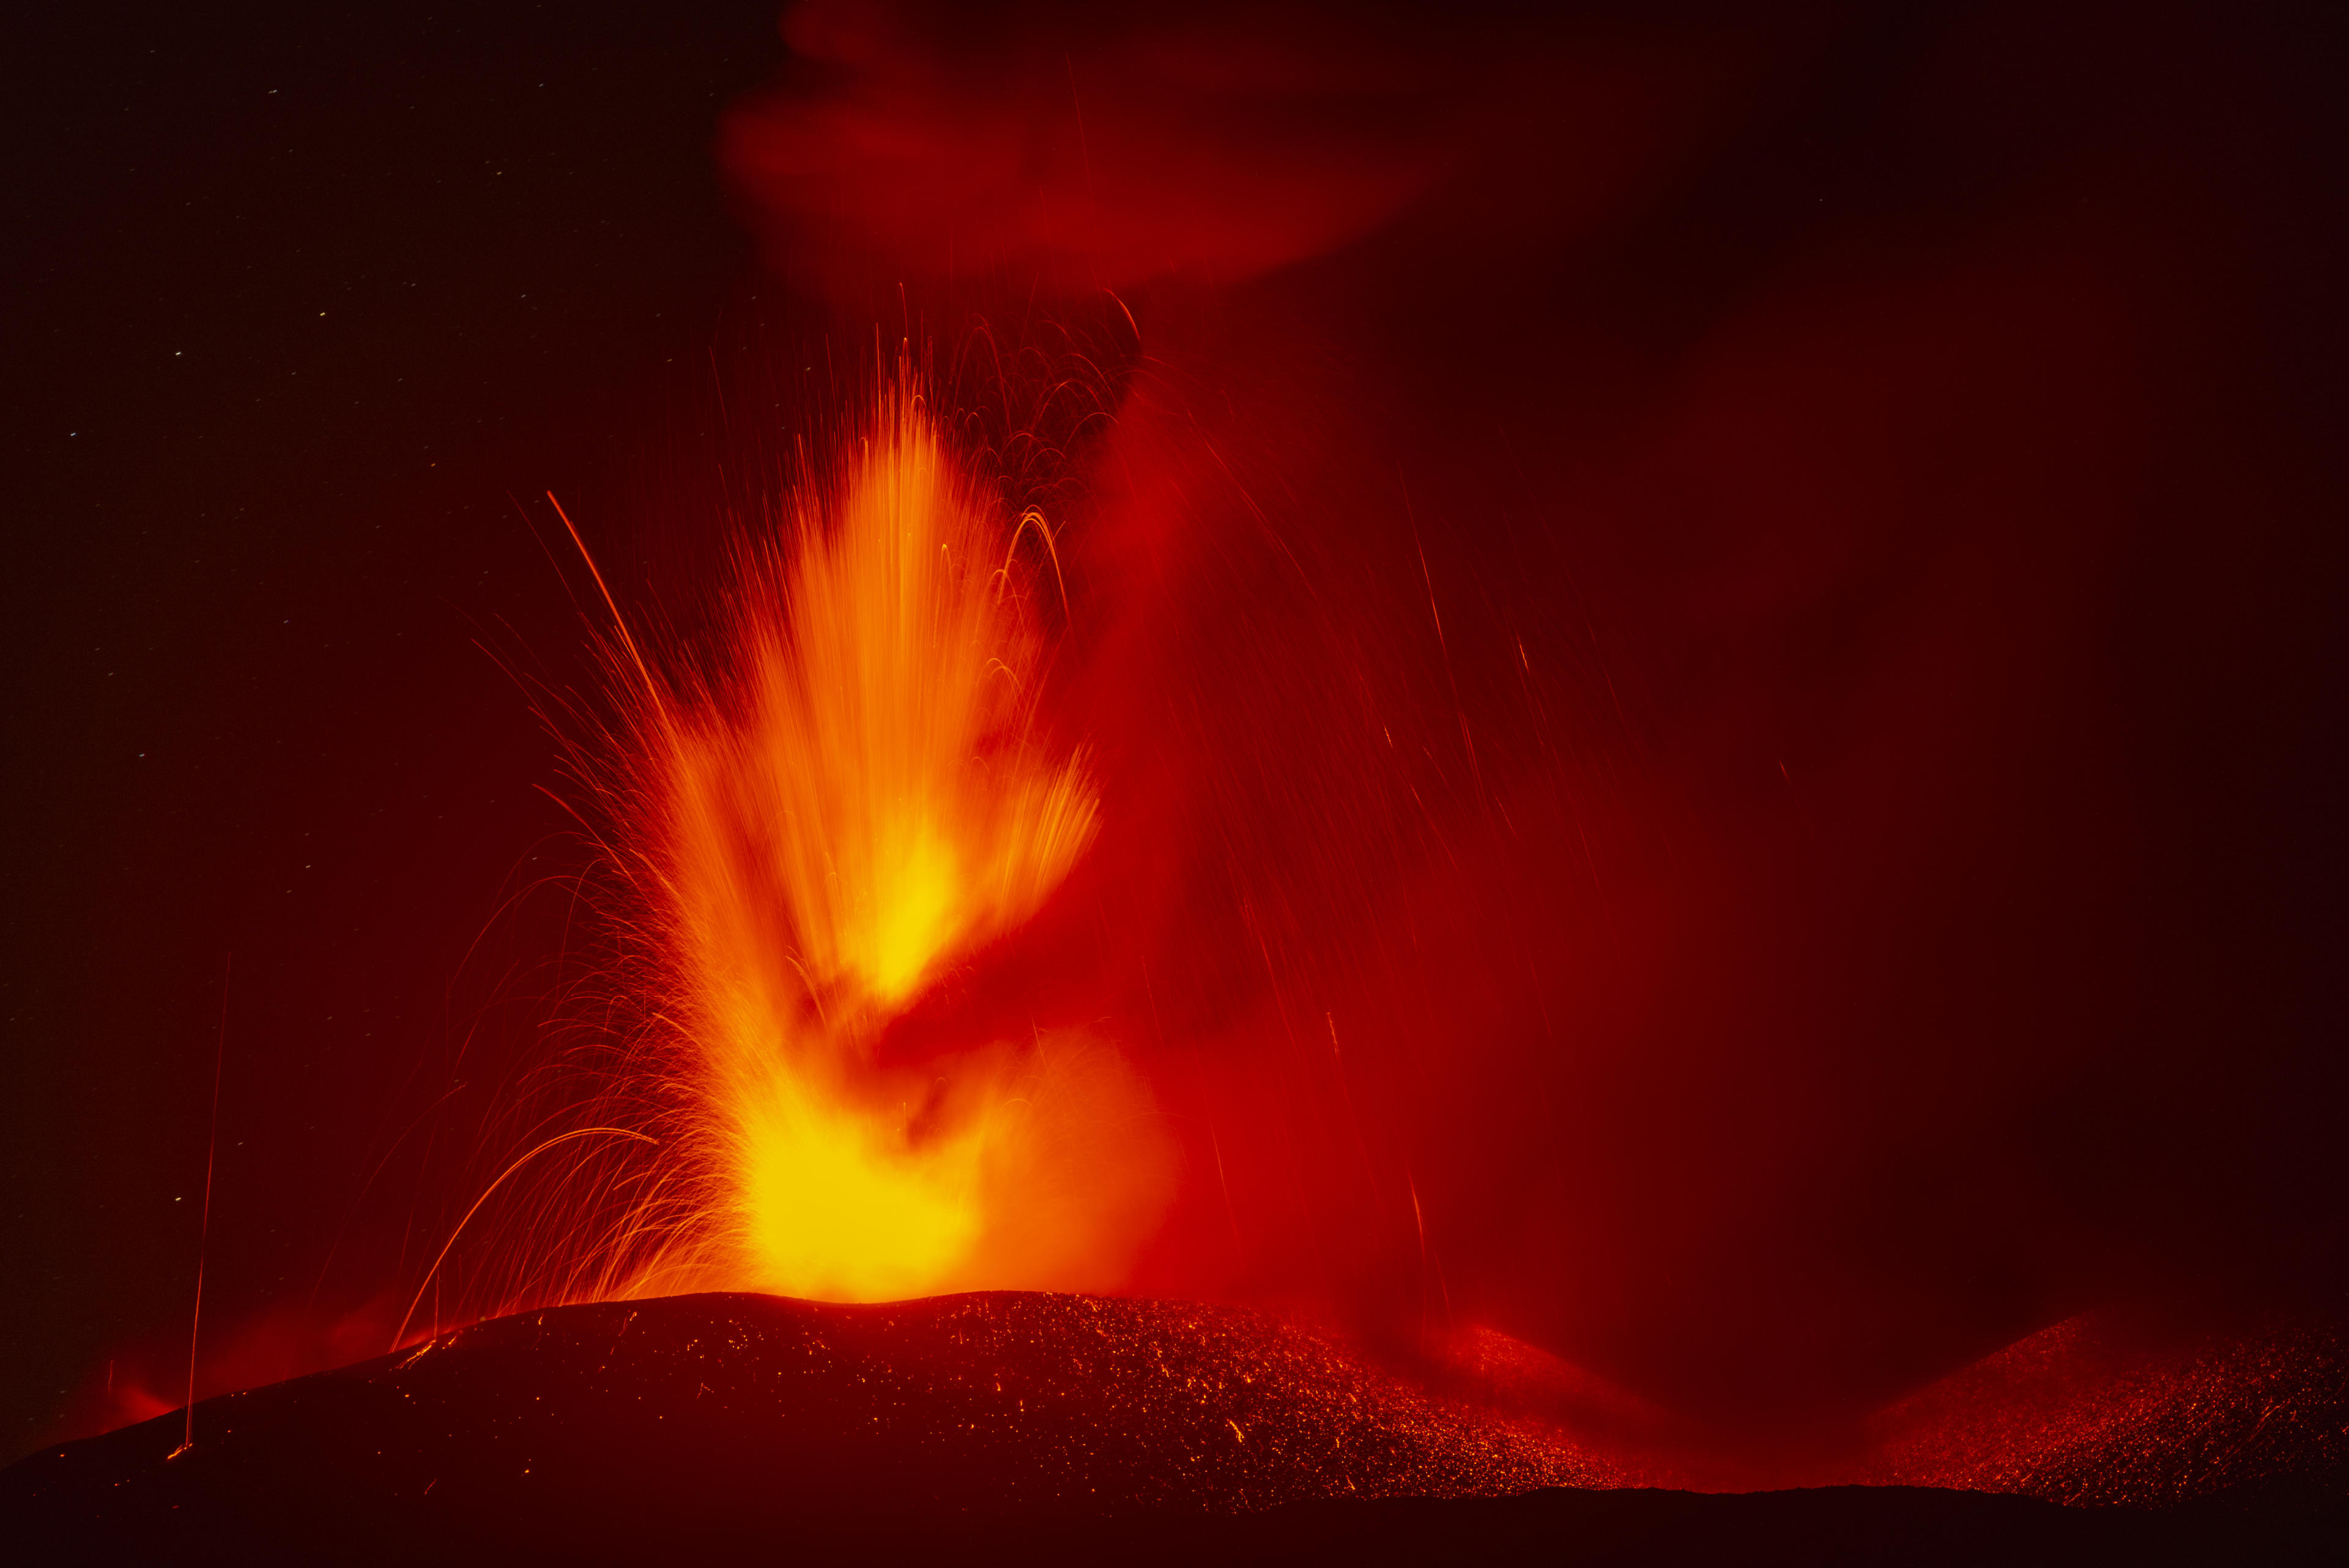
(858, 791)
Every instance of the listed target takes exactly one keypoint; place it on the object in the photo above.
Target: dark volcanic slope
(979, 1428)
(707, 1409)
(2099, 1410)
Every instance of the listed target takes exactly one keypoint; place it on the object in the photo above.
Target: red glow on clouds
(1186, 147)
(1102, 147)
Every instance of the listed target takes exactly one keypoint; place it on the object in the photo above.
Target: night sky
(295, 304)
(1916, 444)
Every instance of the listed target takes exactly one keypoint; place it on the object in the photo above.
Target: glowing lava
(857, 795)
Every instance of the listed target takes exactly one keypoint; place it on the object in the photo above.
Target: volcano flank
(983, 1426)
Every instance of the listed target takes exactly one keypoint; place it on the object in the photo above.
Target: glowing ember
(855, 798)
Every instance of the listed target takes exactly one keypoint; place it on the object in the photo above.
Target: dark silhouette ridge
(998, 1427)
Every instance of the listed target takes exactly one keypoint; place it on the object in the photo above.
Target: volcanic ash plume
(855, 798)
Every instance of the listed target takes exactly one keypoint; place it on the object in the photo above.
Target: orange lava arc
(856, 797)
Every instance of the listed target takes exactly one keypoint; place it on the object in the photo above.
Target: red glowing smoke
(1626, 652)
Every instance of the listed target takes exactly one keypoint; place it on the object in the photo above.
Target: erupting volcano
(857, 792)
(1068, 779)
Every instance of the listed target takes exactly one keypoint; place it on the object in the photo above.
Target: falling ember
(855, 798)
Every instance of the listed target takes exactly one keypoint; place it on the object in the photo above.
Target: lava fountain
(856, 794)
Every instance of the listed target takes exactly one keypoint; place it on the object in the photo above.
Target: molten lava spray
(856, 794)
